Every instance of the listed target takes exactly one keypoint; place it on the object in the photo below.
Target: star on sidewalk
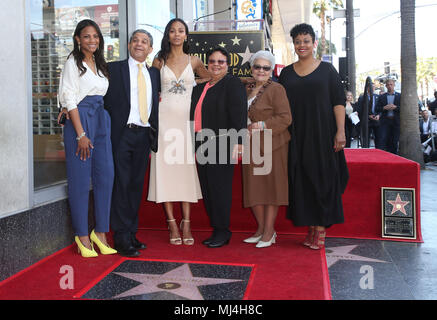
(335, 254)
(245, 55)
(398, 205)
(179, 281)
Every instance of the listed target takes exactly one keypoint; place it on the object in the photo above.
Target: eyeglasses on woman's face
(257, 67)
(213, 61)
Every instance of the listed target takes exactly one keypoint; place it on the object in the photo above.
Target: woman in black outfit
(217, 106)
(317, 167)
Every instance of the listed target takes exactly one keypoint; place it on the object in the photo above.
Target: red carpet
(285, 271)
(369, 169)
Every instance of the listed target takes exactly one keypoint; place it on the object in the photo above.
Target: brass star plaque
(398, 213)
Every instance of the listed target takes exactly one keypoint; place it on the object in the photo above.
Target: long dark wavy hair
(165, 43)
(98, 54)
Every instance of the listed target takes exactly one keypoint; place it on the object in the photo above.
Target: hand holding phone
(62, 117)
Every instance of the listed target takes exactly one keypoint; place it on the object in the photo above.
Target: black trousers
(130, 163)
(389, 133)
(216, 184)
(424, 137)
(374, 127)
(348, 126)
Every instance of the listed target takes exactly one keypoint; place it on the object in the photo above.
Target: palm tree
(319, 54)
(319, 9)
(422, 74)
(409, 142)
(426, 73)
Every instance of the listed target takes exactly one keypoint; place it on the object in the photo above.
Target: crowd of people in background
(384, 120)
(428, 130)
(383, 116)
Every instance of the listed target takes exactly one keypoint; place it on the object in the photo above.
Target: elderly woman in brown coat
(265, 176)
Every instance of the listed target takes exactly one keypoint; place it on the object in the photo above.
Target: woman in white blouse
(84, 82)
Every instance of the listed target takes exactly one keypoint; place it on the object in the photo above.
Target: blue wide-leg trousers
(98, 169)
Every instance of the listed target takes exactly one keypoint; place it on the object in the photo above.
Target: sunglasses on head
(220, 62)
(258, 67)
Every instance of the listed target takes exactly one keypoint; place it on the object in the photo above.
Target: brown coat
(271, 188)
(274, 109)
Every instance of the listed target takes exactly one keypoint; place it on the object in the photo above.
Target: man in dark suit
(374, 116)
(132, 102)
(425, 125)
(433, 105)
(389, 105)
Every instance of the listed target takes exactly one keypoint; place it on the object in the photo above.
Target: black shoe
(129, 252)
(126, 249)
(218, 244)
(207, 241)
(137, 244)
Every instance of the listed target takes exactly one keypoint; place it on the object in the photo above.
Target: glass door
(52, 26)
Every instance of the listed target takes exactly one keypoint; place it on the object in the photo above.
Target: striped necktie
(142, 96)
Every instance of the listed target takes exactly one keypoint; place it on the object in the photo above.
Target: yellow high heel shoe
(84, 251)
(104, 249)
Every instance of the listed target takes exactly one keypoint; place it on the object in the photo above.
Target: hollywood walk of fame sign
(240, 45)
(398, 213)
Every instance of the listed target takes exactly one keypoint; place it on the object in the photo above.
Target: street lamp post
(349, 13)
(350, 49)
(330, 19)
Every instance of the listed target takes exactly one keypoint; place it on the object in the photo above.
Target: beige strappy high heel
(174, 241)
(187, 241)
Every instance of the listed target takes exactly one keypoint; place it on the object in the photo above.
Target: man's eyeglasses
(258, 67)
(220, 62)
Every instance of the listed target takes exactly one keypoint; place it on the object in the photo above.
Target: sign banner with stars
(240, 45)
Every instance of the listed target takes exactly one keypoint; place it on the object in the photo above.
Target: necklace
(260, 92)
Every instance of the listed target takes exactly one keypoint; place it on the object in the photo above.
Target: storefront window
(200, 8)
(153, 16)
(52, 26)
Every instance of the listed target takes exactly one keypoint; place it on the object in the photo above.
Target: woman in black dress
(317, 167)
(218, 109)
